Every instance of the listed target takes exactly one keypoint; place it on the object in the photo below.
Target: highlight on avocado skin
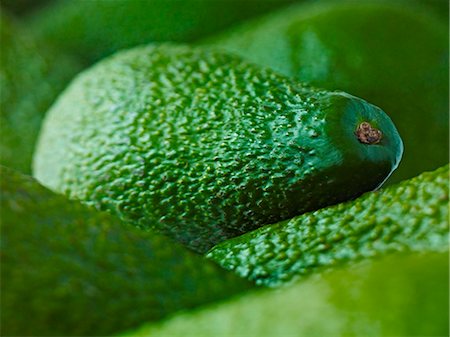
(410, 216)
(68, 270)
(31, 76)
(397, 295)
(204, 146)
(394, 54)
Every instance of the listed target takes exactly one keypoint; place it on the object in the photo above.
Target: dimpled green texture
(404, 295)
(120, 24)
(31, 77)
(204, 146)
(68, 270)
(393, 55)
(410, 216)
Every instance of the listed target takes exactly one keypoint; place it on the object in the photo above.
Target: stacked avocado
(212, 147)
(410, 216)
(401, 295)
(69, 270)
(185, 171)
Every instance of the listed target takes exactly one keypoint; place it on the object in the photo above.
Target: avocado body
(204, 146)
(394, 55)
(68, 270)
(398, 295)
(412, 215)
(120, 24)
(31, 77)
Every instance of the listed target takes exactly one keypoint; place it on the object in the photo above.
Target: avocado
(412, 215)
(395, 55)
(31, 76)
(68, 270)
(204, 146)
(94, 29)
(398, 295)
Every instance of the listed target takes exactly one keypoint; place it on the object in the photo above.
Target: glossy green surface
(67, 270)
(204, 146)
(31, 76)
(395, 296)
(393, 55)
(96, 28)
(412, 215)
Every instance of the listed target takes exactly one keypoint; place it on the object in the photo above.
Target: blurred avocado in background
(31, 77)
(398, 295)
(96, 28)
(392, 54)
(70, 270)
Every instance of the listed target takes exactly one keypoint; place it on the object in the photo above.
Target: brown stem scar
(367, 134)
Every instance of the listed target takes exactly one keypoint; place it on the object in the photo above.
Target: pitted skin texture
(68, 270)
(412, 215)
(201, 145)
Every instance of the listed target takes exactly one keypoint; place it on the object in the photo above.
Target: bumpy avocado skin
(394, 55)
(96, 28)
(204, 146)
(412, 215)
(31, 76)
(68, 270)
(404, 295)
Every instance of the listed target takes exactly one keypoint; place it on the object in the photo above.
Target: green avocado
(204, 146)
(31, 76)
(394, 55)
(70, 271)
(94, 29)
(412, 215)
(399, 295)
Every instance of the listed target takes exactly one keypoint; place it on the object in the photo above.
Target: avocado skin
(68, 270)
(398, 295)
(204, 146)
(121, 24)
(31, 77)
(394, 55)
(412, 215)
